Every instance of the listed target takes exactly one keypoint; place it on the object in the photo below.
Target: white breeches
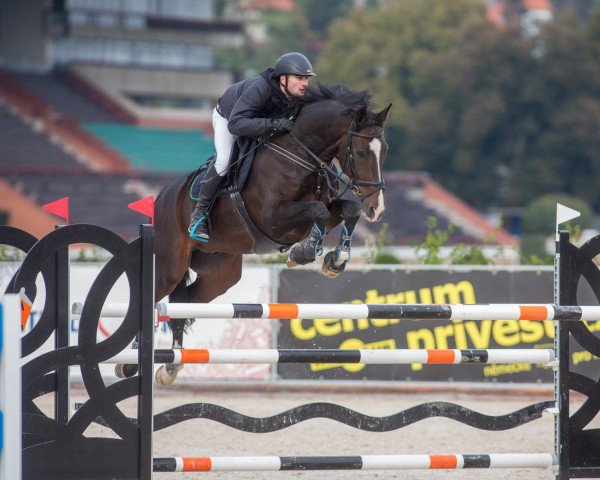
(223, 142)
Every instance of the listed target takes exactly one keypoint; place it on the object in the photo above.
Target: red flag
(145, 206)
(59, 208)
(26, 305)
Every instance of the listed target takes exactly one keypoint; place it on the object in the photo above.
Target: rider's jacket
(250, 105)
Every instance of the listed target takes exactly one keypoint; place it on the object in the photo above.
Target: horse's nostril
(372, 211)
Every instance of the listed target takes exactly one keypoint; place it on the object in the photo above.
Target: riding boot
(199, 228)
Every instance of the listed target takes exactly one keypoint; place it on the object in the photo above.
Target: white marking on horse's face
(375, 146)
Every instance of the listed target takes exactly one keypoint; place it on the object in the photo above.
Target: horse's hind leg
(335, 262)
(166, 374)
(216, 273)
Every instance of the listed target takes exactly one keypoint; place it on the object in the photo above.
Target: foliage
(428, 252)
(10, 254)
(276, 259)
(496, 117)
(320, 18)
(387, 46)
(539, 216)
(379, 255)
(92, 255)
(463, 254)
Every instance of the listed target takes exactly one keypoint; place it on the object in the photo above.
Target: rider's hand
(281, 125)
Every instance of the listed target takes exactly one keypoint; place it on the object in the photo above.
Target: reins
(327, 173)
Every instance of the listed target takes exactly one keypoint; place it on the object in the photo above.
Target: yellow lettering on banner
(327, 326)
(441, 335)
(372, 296)
(593, 326)
(549, 329)
(450, 293)
(383, 322)
(354, 344)
(347, 325)
(531, 332)
(506, 332)
(460, 336)
(425, 295)
(496, 370)
(410, 297)
(395, 298)
(300, 332)
(582, 356)
(479, 333)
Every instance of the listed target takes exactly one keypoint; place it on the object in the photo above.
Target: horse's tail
(180, 294)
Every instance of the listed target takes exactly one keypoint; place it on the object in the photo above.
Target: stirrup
(197, 232)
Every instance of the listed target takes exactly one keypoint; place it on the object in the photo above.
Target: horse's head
(335, 121)
(361, 157)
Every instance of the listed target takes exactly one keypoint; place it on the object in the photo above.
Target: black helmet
(293, 63)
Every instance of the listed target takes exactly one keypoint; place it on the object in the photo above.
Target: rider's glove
(281, 125)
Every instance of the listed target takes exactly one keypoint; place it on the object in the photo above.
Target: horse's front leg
(303, 253)
(335, 261)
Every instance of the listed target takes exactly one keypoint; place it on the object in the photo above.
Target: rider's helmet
(293, 63)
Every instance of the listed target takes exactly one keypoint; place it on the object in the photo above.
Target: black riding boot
(199, 225)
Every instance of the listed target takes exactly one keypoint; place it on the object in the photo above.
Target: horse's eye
(361, 153)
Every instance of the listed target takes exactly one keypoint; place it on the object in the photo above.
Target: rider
(249, 108)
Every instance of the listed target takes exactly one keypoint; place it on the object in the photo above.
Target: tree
(319, 18)
(380, 49)
(467, 124)
(500, 125)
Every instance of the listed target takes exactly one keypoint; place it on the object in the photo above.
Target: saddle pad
(243, 151)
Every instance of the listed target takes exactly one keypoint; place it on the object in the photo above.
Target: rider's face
(296, 84)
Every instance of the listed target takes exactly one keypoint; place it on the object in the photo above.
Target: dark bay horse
(292, 195)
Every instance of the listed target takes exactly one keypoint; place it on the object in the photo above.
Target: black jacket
(250, 105)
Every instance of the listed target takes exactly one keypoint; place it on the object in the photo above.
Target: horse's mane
(349, 98)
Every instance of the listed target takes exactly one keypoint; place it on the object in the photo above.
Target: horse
(293, 197)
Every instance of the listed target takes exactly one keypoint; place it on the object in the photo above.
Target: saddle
(242, 158)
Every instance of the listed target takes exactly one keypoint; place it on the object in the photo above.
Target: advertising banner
(447, 286)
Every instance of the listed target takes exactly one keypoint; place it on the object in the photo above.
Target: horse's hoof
(291, 262)
(125, 371)
(300, 255)
(329, 269)
(166, 375)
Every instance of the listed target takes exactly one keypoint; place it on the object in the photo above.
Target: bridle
(326, 172)
(349, 159)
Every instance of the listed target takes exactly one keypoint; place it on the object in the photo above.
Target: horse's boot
(335, 262)
(303, 253)
(199, 228)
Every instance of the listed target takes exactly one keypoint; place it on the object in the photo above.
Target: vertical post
(62, 409)
(10, 397)
(146, 351)
(562, 282)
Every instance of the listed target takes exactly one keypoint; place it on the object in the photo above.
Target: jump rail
(369, 357)
(283, 311)
(358, 462)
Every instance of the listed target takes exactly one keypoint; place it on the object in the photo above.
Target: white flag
(564, 214)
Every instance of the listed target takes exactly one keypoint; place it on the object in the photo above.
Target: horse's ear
(381, 116)
(360, 117)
